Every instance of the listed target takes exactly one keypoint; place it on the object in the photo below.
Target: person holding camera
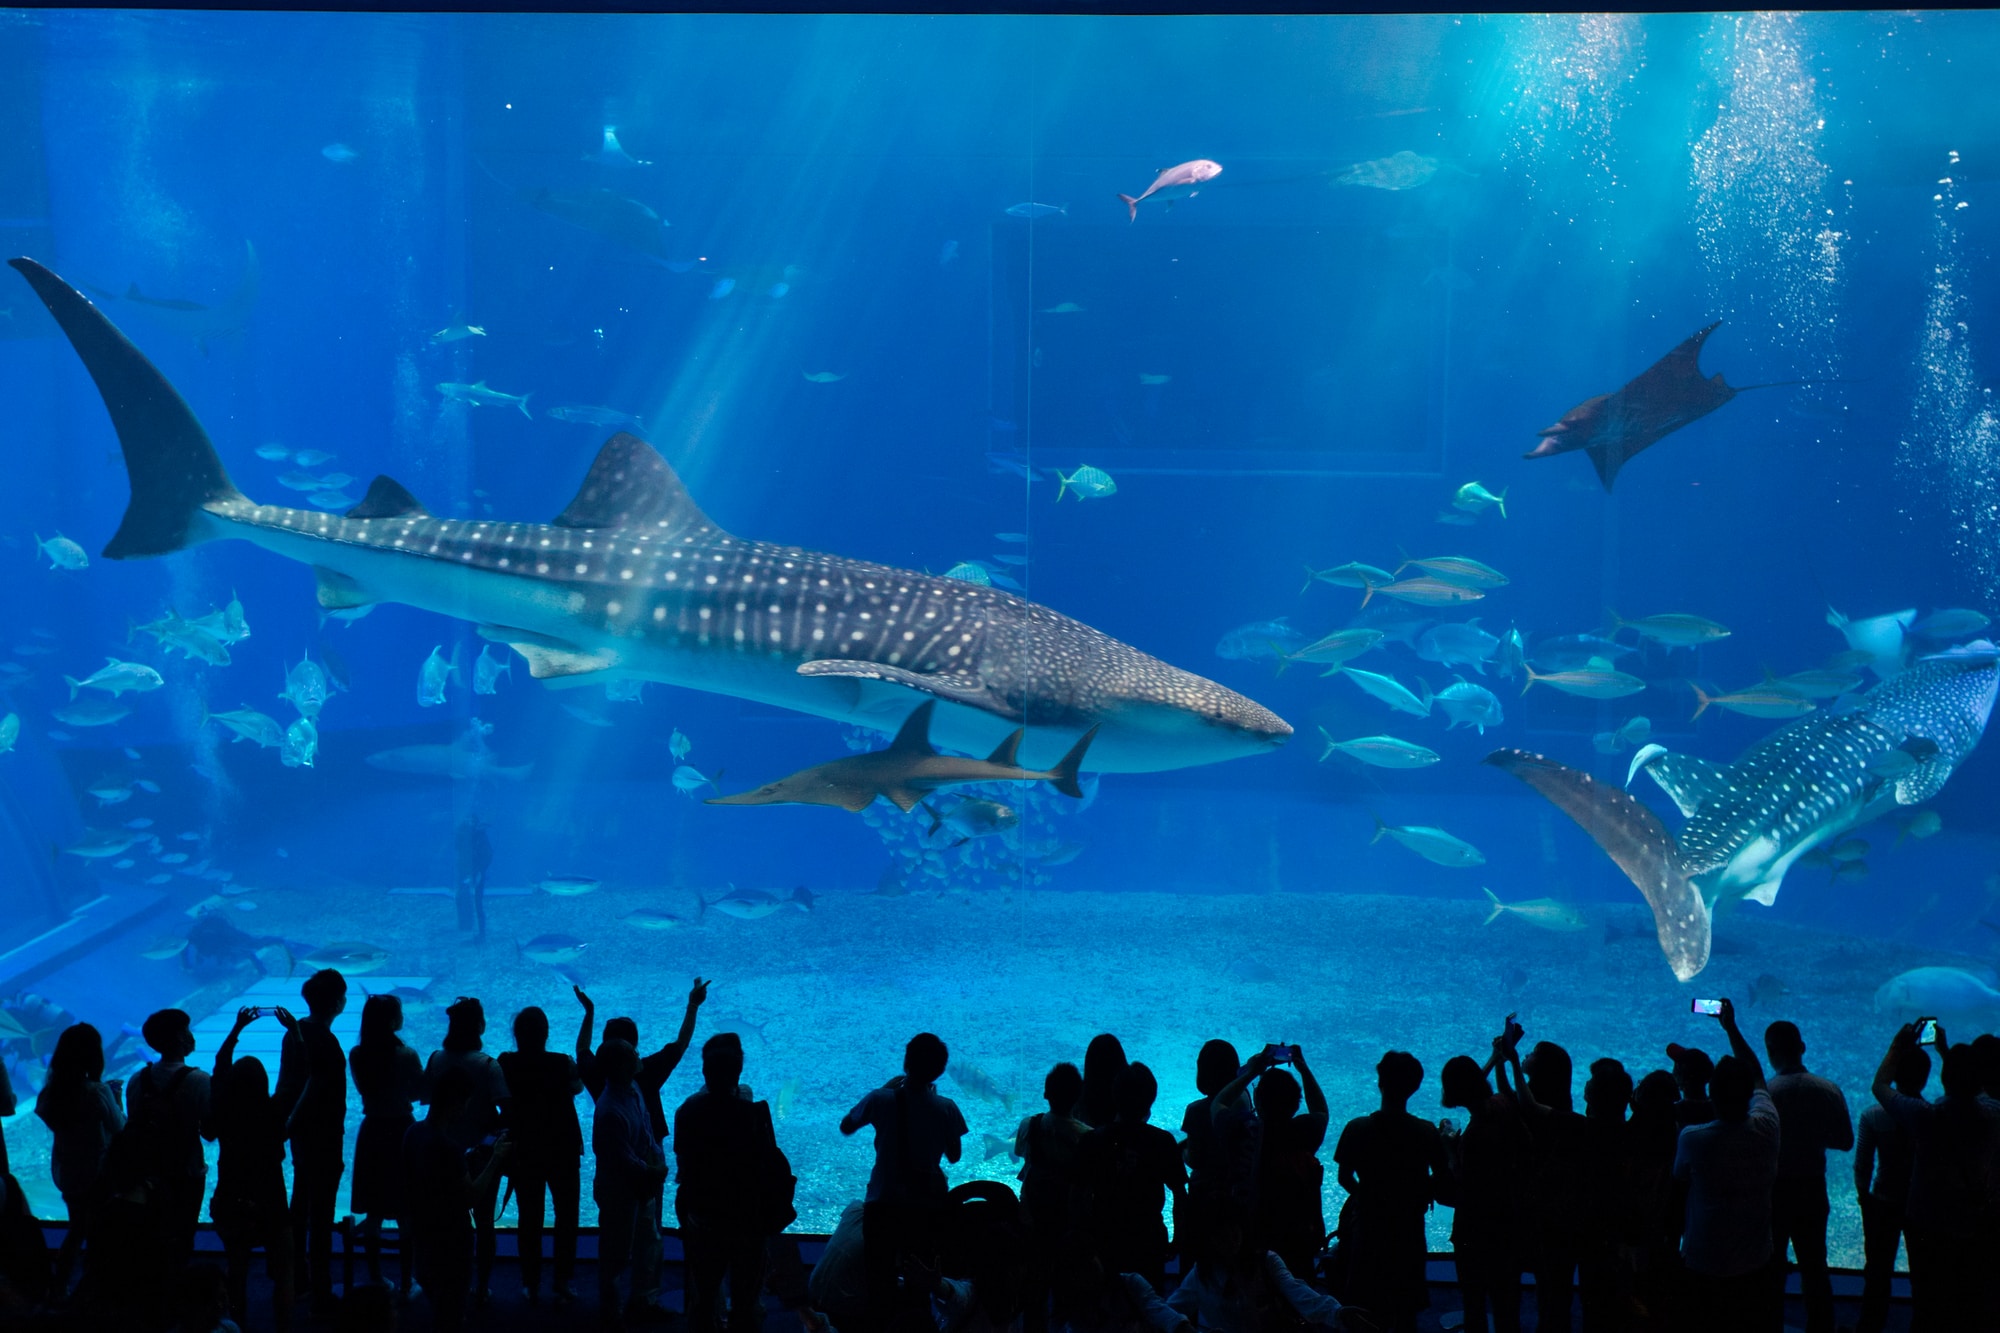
(1952, 1215)
(1729, 1167)
(1490, 1162)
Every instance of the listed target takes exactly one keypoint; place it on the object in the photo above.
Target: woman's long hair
(465, 1023)
(1103, 1062)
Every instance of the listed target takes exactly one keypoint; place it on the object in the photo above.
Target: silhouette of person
(730, 1175)
(1130, 1168)
(389, 1077)
(1652, 1139)
(1086, 1299)
(542, 1086)
(1554, 1197)
(1952, 1216)
(1490, 1164)
(1883, 1156)
(170, 1101)
(630, 1171)
(1728, 1166)
(478, 1122)
(1609, 1227)
(475, 858)
(1288, 1219)
(81, 1110)
(1234, 1287)
(1103, 1062)
(312, 1099)
(1813, 1119)
(1047, 1145)
(654, 1071)
(915, 1127)
(1392, 1165)
(1214, 1067)
(248, 1126)
(1692, 1071)
(441, 1191)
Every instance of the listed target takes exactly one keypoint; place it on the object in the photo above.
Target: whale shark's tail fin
(1635, 839)
(172, 467)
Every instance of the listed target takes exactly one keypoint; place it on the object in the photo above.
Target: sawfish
(632, 581)
(1807, 783)
(1671, 393)
(908, 771)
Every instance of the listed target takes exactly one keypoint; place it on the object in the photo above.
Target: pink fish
(1175, 183)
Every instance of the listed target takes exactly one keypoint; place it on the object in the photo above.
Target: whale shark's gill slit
(173, 468)
(631, 486)
(1635, 839)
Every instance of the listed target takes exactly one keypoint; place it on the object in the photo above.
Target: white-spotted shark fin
(1636, 841)
(631, 486)
(1689, 781)
(964, 688)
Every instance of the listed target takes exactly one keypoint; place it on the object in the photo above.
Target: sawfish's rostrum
(1613, 427)
(1806, 783)
(909, 770)
(634, 582)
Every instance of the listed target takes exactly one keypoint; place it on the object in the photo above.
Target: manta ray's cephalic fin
(1635, 839)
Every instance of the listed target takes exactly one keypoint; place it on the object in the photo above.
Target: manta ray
(1807, 783)
(632, 581)
(1615, 427)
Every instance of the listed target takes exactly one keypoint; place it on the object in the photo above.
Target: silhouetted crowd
(1670, 1202)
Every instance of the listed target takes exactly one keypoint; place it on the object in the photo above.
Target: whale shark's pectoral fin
(1922, 782)
(337, 592)
(556, 661)
(958, 688)
(1635, 839)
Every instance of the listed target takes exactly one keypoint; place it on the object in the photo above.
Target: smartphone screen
(1927, 1032)
(1712, 1008)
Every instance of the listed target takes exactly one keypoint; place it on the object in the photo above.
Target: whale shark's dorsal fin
(631, 486)
(388, 498)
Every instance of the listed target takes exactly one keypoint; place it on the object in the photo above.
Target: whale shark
(1807, 783)
(633, 581)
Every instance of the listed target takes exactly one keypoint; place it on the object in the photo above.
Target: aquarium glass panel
(1316, 531)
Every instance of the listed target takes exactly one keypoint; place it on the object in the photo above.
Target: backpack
(131, 1161)
(776, 1187)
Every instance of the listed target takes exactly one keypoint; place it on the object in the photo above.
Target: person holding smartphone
(1729, 1167)
(1952, 1217)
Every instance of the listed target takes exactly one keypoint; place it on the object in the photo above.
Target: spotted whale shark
(1807, 783)
(633, 581)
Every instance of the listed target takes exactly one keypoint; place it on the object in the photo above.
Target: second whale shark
(633, 581)
(1806, 783)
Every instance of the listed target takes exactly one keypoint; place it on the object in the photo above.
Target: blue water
(843, 339)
